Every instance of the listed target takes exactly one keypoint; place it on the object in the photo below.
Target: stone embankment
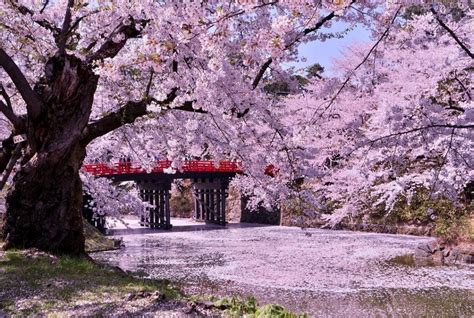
(440, 253)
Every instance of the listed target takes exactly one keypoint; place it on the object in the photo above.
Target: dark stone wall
(261, 215)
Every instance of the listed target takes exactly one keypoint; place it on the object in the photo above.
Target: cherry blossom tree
(397, 116)
(143, 79)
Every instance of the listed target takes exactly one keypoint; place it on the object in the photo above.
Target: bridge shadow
(196, 227)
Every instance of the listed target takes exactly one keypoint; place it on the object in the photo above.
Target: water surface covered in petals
(320, 272)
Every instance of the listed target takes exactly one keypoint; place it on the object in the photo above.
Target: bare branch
(65, 29)
(260, 73)
(32, 100)
(5, 96)
(11, 164)
(463, 87)
(188, 107)
(150, 82)
(452, 34)
(78, 20)
(128, 113)
(44, 6)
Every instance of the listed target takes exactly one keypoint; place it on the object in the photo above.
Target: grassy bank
(35, 283)
(32, 282)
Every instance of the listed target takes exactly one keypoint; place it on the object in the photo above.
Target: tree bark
(44, 206)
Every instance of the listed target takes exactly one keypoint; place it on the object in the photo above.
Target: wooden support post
(212, 210)
(156, 192)
(167, 210)
(142, 195)
(223, 195)
(161, 209)
(151, 213)
(197, 205)
(210, 196)
(147, 199)
(217, 206)
(202, 202)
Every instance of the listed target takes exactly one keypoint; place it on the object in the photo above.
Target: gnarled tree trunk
(44, 206)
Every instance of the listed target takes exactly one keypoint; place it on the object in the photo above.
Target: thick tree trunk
(44, 206)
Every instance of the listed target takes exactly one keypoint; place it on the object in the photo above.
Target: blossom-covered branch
(130, 28)
(452, 34)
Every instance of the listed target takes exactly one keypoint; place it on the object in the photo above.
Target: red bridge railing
(106, 169)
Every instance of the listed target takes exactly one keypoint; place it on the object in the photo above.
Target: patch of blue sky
(324, 52)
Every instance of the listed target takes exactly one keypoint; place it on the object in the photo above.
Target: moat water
(319, 272)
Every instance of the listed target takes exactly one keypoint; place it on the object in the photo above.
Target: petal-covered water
(321, 272)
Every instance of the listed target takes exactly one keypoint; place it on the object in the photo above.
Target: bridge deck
(163, 170)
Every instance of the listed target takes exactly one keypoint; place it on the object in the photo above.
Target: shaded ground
(33, 283)
(320, 272)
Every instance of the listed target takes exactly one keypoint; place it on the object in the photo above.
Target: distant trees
(399, 117)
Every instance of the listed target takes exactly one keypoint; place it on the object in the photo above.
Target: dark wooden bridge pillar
(156, 193)
(209, 199)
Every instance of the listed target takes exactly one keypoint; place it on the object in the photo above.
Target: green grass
(43, 284)
(96, 241)
(236, 307)
(33, 283)
(249, 307)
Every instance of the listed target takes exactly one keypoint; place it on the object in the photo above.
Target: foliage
(397, 116)
(181, 202)
(315, 70)
(451, 221)
(237, 307)
(96, 241)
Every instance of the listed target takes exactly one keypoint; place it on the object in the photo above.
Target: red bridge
(210, 187)
(191, 166)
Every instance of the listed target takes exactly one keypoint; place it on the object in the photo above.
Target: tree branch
(117, 39)
(125, 115)
(43, 23)
(384, 34)
(78, 20)
(128, 113)
(150, 82)
(453, 127)
(5, 96)
(306, 31)
(6, 152)
(65, 29)
(44, 6)
(452, 34)
(32, 100)
(188, 107)
(12, 117)
(261, 72)
(11, 164)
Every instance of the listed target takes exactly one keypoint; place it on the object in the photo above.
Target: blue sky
(324, 52)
